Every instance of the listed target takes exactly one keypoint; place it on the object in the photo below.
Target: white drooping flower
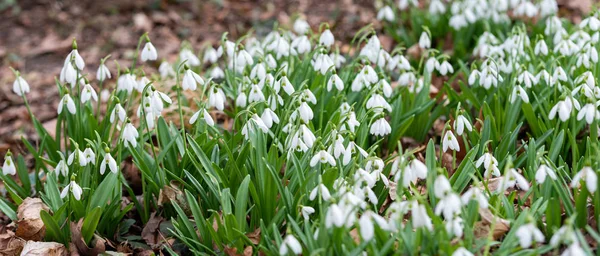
(490, 164)
(455, 226)
(335, 81)
(542, 172)
(8, 168)
(476, 194)
(588, 175)
(118, 112)
(62, 168)
(210, 55)
(166, 70)
(74, 188)
(307, 211)
(460, 124)
(326, 39)
(322, 157)
(420, 218)
(424, 41)
(88, 92)
(323, 63)
(301, 26)
(414, 171)
(322, 190)
(110, 162)
(529, 233)
(301, 45)
(103, 73)
(149, 52)
(444, 68)
(461, 251)
(20, 86)
(66, 100)
(380, 127)
(269, 117)
(563, 108)
(541, 48)
(205, 116)
(589, 112)
(190, 79)
(216, 98)
(290, 244)
(386, 13)
(254, 121)
(450, 142)
(519, 92)
(512, 178)
(189, 58)
(130, 135)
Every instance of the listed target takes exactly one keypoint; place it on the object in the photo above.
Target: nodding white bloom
(205, 115)
(589, 176)
(424, 41)
(450, 142)
(322, 157)
(420, 218)
(335, 81)
(118, 111)
(475, 193)
(256, 94)
(20, 86)
(592, 22)
(489, 164)
(529, 233)
(326, 39)
(165, 69)
(307, 211)
(190, 78)
(460, 124)
(541, 48)
(130, 135)
(335, 216)
(68, 74)
(436, 7)
(66, 100)
(189, 58)
(352, 149)
(142, 83)
(444, 68)
(286, 85)
(448, 206)
(455, 226)
(110, 162)
(301, 26)
(229, 47)
(210, 55)
(322, 190)
(216, 98)
(62, 168)
(559, 75)
(366, 222)
(305, 112)
(89, 156)
(378, 103)
(574, 250)
(280, 46)
(411, 173)
(75, 57)
(590, 112)
(513, 178)
(369, 74)
(407, 79)
(431, 63)
(217, 73)
(461, 251)
(380, 127)
(254, 121)
(149, 52)
(441, 186)
(243, 59)
(338, 147)
(301, 45)
(290, 243)
(269, 117)
(8, 168)
(259, 71)
(241, 100)
(518, 91)
(103, 73)
(87, 93)
(323, 63)
(74, 188)
(563, 108)
(527, 78)
(386, 13)
(542, 172)
(126, 82)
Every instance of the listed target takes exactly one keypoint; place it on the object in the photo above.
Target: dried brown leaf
(488, 220)
(33, 248)
(10, 244)
(79, 243)
(29, 224)
(151, 232)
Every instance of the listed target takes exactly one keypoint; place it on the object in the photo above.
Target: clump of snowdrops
(307, 155)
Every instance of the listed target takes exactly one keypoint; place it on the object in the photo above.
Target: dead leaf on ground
(29, 224)
(33, 248)
(254, 236)
(78, 242)
(482, 228)
(151, 232)
(10, 244)
(172, 192)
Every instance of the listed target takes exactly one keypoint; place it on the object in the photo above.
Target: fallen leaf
(254, 236)
(33, 248)
(482, 228)
(172, 192)
(151, 232)
(79, 243)
(10, 244)
(29, 224)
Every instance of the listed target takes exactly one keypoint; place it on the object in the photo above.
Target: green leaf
(90, 222)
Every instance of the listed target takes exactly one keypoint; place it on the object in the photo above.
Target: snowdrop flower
(450, 142)
(286, 85)
(334, 216)
(431, 64)
(241, 100)
(188, 57)
(87, 93)
(165, 69)
(290, 244)
(563, 108)
(424, 41)
(527, 9)
(529, 233)
(592, 22)
(444, 68)
(589, 176)
(323, 63)
(307, 211)
(326, 39)
(269, 117)
(475, 193)
(335, 81)
(217, 73)
(322, 157)
(378, 103)
(75, 57)
(259, 71)
(301, 26)
(62, 168)
(436, 7)
(321, 189)
(448, 206)
(527, 78)
(461, 251)
(8, 168)
(66, 100)
(518, 91)
(352, 149)
(20, 86)
(256, 94)
(254, 121)
(411, 173)
(590, 112)
(210, 55)
(68, 74)
(119, 112)
(243, 59)
(301, 45)
(103, 73)
(380, 127)
(89, 156)
(460, 124)
(366, 222)
(513, 178)
(149, 52)
(441, 186)
(74, 188)
(216, 98)
(542, 172)
(126, 82)
(420, 218)
(386, 13)
(205, 115)
(110, 162)
(541, 48)
(455, 226)
(130, 135)
(574, 250)
(190, 78)
(489, 164)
